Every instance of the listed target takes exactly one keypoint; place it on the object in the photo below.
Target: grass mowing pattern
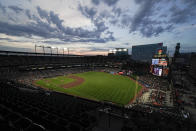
(54, 83)
(98, 86)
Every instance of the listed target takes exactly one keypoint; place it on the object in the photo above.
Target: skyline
(92, 27)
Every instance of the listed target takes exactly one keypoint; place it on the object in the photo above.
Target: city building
(145, 53)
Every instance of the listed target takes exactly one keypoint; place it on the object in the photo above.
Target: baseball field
(99, 86)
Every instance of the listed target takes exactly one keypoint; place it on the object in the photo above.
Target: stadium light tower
(39, 46)
(67, 50)
(35, 47)
(56, 49)
(49, 47)
(64, 50)
(43, 48)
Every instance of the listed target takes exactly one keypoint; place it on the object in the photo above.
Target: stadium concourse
(23, 106)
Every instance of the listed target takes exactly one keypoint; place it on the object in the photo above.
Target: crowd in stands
(154, 82)
(24, 107)
(37, 110)
(157, 97)
(30, 76)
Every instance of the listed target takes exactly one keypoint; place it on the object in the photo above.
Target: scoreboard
(159, 66)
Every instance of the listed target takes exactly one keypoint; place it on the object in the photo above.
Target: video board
(165, 71)
(157, 71)
(159, 66)
(162, 62)
(155, 61)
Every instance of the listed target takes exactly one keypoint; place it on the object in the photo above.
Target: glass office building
(145, 53)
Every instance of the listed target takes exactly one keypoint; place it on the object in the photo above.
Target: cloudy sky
(95, 26)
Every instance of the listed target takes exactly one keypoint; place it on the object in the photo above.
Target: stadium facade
(145, 53)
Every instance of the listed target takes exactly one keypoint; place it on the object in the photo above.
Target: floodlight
(53, 47)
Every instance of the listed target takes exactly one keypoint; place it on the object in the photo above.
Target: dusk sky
(94, 26)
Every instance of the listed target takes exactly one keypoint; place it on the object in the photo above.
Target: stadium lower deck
(24, 106)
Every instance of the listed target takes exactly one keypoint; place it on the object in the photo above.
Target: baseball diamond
(94, 85)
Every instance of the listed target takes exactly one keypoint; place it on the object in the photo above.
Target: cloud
(7, 39)
(150, 30)
(145, 10)
(113, 21)
(179, 15)
(24, 30)
(191, 3)
(15, 9)
(145, 20)
(125, 43)
(110, 2)
(42, 26)
(28, 14)
(107, 2)
(125, 20)
(88, 12)
(117, 11)
(12, 40)
(12, 48)
(101, 28)
(43, 14)
(3, 8)
(96, 2)
(97, 49)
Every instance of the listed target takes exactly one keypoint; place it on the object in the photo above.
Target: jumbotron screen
(157, 71)
(155, 61)
(165, 71)
(162, 62)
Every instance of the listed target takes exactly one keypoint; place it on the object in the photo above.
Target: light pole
(39, 46)
(55, 48)
(49, 48)
(64, 50)
(35, 49)
(43, 49)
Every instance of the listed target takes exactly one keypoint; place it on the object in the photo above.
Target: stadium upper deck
(23, 60)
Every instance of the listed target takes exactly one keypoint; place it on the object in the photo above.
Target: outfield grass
(98, 86)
